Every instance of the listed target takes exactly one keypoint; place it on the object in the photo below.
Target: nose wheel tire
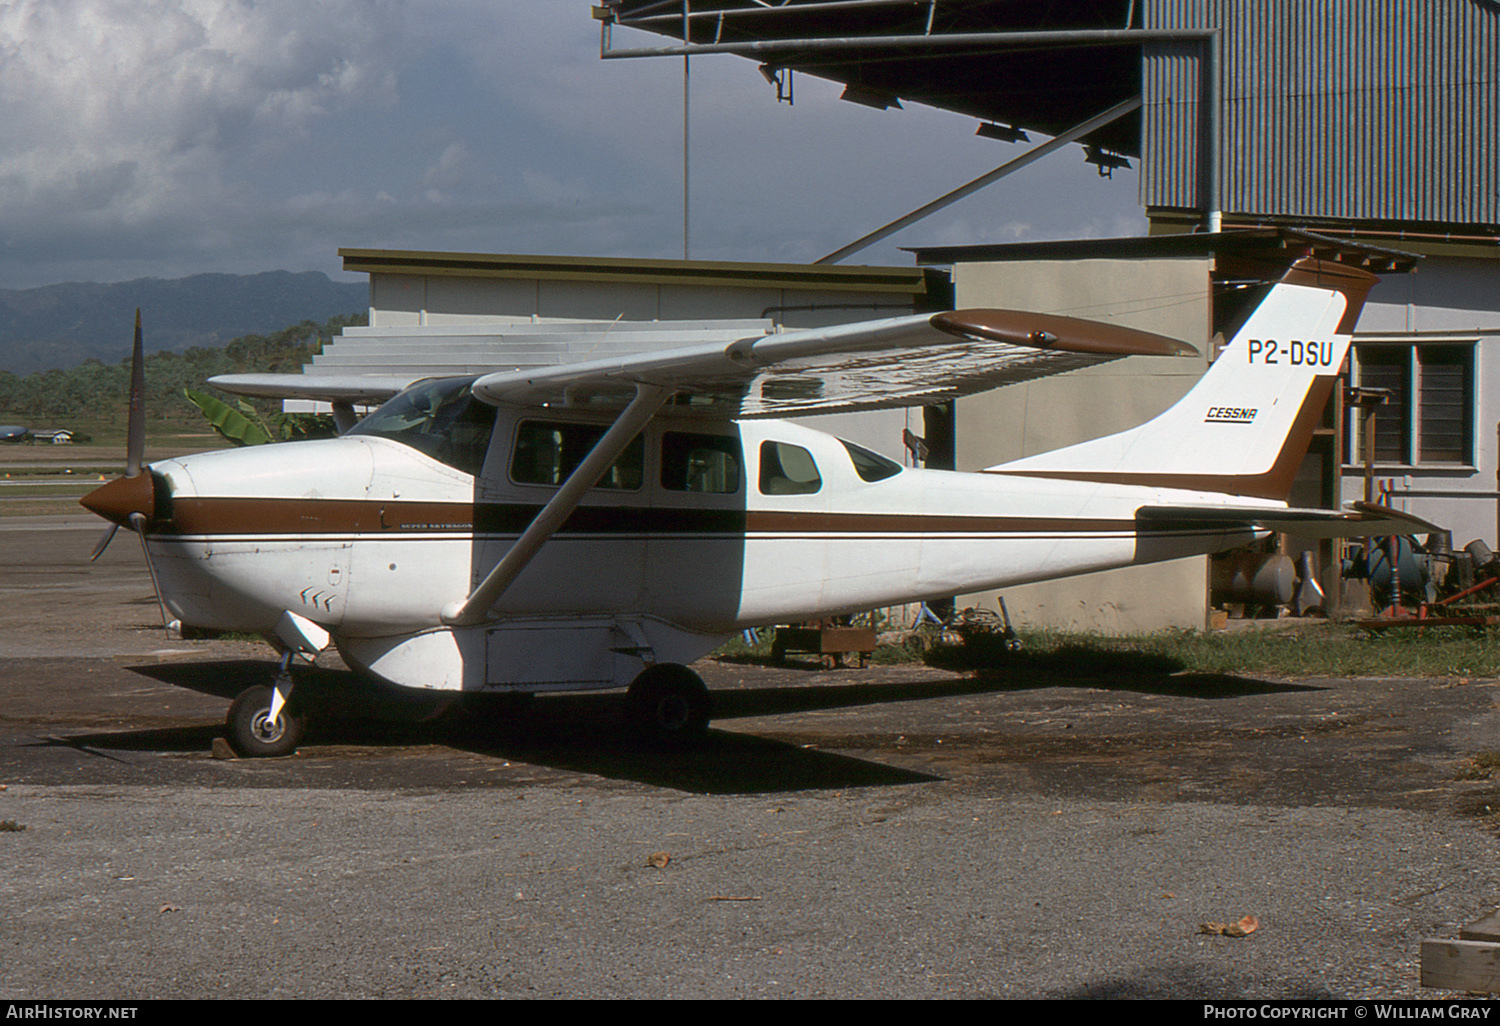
(668, 705)
(252, 732)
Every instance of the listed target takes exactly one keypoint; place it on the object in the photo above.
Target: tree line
(96, 390)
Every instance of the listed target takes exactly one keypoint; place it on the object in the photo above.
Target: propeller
(104, 540)
(131, 499)
(135, 438)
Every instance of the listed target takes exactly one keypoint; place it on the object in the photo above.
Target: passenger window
(547, 453)
(707, 464)
(787, 470)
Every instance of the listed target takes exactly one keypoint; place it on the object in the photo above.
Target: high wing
(361, 389)
(903, 361)
(1359, 519)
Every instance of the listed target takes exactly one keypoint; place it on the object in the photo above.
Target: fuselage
(710, 527)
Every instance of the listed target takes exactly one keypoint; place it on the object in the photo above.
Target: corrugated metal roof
(1347, 109)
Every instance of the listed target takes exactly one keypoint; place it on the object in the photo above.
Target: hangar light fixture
(871, 98)
(781, 78)
(1106, 160)
(1005, 133)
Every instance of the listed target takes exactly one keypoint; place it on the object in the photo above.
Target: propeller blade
(109, 534)
(135, 451)
(135, 444)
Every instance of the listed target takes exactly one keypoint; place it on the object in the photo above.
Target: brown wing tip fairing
(1052, 331)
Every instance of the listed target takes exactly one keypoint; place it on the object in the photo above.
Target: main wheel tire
(668, 705)
(252, 732)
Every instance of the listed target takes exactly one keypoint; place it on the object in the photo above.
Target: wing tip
(1052, 331)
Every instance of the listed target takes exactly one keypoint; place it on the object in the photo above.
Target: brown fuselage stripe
(256, 516)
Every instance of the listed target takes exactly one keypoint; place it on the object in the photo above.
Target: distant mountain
(64, 325)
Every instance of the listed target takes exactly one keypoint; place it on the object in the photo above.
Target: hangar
(1347, 119)
(1269, 129)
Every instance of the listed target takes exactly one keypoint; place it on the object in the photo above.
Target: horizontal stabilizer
(1359, 520)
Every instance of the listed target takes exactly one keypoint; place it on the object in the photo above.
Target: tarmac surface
(894, 832)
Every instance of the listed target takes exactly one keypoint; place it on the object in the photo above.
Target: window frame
(727, 444)
(1417, 374)
(637, 447)
(794, 487)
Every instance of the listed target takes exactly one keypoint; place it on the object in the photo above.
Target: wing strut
(648, 399)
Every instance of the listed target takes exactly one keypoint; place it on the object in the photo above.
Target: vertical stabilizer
(1244, 428)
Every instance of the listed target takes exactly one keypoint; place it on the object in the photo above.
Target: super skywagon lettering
(1294, 354)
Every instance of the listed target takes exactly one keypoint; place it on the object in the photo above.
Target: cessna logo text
(1229, 415)
(1297, 354)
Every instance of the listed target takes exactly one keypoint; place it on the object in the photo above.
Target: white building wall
(1453, 300)
(410, 300)
(1167, 296)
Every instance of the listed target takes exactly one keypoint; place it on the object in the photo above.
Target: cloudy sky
(167, 137)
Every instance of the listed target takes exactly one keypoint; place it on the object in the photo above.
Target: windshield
(439, 417)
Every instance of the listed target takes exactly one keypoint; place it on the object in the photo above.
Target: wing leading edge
(903, 361)
(363, 389)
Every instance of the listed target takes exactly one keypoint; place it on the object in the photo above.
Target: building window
(1429, 418)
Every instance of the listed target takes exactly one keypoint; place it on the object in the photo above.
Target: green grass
(736, 650)
(1315, 650)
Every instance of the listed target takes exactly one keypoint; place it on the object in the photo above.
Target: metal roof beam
(637, 21)
(957, 40)
(1030, 156)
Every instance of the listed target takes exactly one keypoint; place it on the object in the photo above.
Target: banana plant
(242, 424)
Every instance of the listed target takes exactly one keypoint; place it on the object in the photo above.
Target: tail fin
(1244, 428)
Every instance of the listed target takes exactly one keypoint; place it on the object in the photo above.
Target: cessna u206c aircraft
(605, 524)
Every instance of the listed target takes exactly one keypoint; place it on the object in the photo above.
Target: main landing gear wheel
(668, 705)
(252, 732)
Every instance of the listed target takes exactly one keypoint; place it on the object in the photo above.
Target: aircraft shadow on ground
(1126, 671)
(585, 732)
(574, 732)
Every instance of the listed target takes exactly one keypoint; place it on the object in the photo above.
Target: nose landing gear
(254, 732)
(264, 722)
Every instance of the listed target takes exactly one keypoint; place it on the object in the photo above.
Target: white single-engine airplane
(605, 524)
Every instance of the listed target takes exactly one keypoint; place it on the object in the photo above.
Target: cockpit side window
(547, 452)
(439, 417)
(707, 464)
(787, 469)
(871, 466)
